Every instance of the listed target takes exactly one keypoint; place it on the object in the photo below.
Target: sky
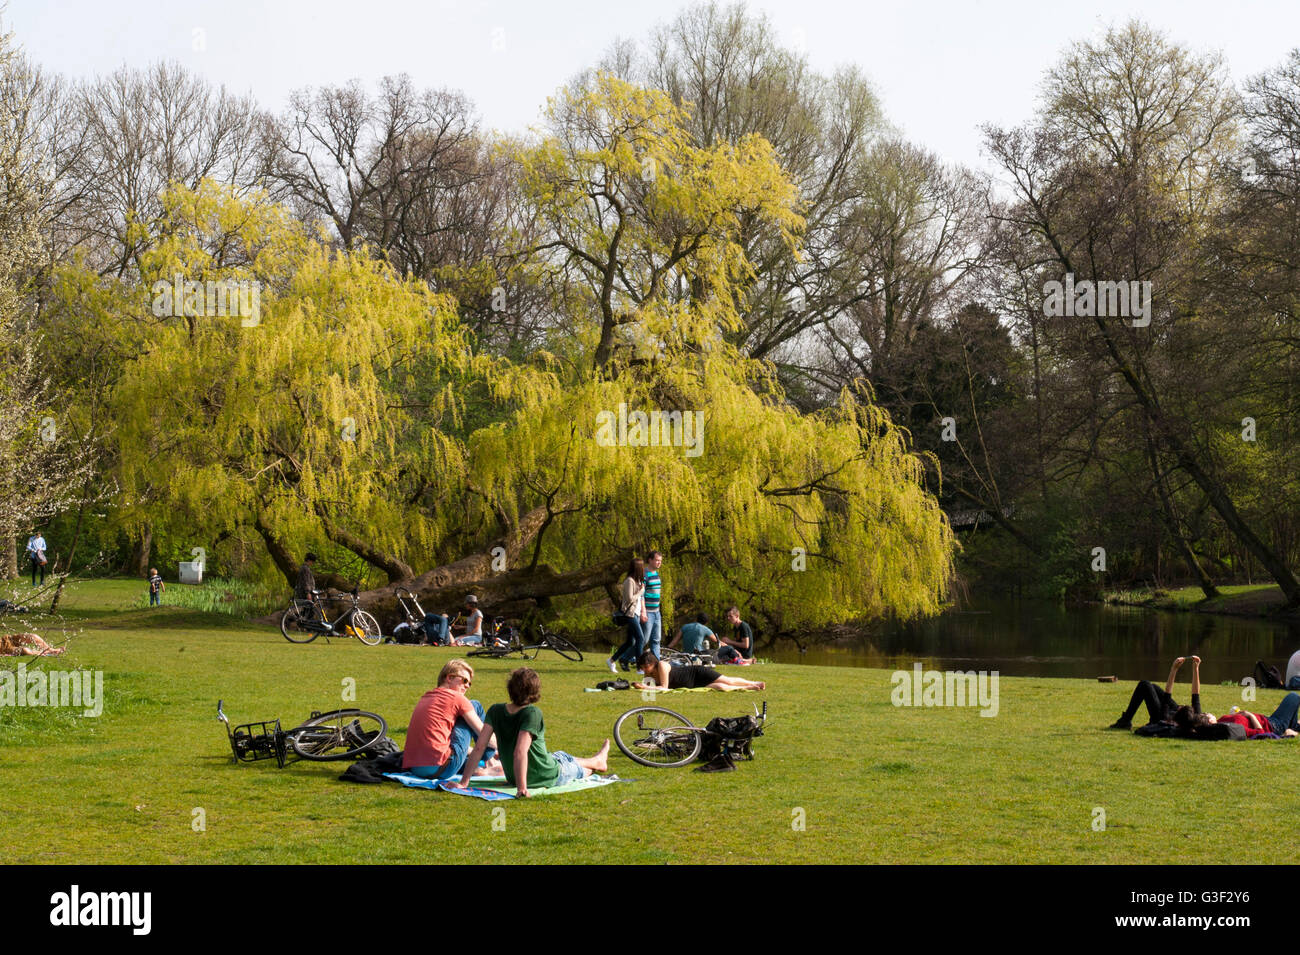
(942, 69)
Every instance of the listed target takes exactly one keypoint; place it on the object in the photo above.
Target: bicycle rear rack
(251, 742)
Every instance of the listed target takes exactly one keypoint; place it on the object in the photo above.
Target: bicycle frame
(335, 628)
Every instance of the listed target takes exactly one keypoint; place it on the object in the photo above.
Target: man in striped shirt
(654, 625)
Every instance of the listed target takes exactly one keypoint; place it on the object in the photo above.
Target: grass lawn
(1242, 600)
(875, 782)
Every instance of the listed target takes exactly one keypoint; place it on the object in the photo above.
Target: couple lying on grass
(446, 720)
(1167, 718)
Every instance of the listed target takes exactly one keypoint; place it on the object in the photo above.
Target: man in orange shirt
(445, 726)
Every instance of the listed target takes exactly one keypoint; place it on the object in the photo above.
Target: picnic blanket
(496, 787)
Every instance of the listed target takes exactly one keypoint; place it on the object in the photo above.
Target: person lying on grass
(26, 645)
(689, 677)
(1160, 704)
(1282, 723)
(521, 738)
(444, 726)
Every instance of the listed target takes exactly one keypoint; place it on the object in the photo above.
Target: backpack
(732, 735)
(376, 743)
(1268, 677)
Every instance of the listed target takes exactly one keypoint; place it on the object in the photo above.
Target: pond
(1032, 638)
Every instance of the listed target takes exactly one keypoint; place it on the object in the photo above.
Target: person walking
(36, 554)
(632, 609)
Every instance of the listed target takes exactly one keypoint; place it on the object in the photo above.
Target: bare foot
(762, 686)
(492, 768)
(601, 760)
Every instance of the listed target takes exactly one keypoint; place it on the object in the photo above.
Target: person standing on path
(654, 623)
(36, 554)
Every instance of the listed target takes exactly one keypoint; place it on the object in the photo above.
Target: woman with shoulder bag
(632, 615)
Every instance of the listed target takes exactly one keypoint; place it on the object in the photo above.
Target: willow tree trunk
(141, 550)
(503, 583)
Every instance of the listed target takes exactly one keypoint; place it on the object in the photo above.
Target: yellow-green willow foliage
(295, 412)
(643, 223)
(816, 518)
(820, 517)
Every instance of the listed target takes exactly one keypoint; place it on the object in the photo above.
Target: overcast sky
(941, 68)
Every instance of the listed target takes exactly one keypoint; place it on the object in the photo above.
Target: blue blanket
(496, 787)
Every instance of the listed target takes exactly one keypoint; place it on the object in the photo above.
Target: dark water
(1027, 638)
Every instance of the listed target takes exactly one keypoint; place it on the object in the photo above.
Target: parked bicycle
(508, 641)
(338, 734)
(658, 737)
(304, 620)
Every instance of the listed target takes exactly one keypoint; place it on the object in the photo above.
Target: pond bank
(1234, 600)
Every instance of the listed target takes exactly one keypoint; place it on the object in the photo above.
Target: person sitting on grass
(473, 635)
(521, 738)
(694, 637)
(740, 645)
(443, 725)
(1160, 704)
(26, 645)
(689, 677)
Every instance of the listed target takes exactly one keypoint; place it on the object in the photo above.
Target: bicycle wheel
(340, 734)
(564, 647)
(654, 736)
(294, 623)
(366, 628)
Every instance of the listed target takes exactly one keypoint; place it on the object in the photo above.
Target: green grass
(875, 783)
(1246, 600)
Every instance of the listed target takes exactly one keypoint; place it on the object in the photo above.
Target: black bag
(731, 735)
(621, 620)
(374, 742)
(1268, 677)
(1218, 731)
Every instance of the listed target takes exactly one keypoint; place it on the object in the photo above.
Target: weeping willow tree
(648, 429)
(268, 392)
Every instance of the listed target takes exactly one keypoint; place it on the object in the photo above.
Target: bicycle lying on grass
(704, 658)
(338, 734)
(658, 737)
(305, 620)
(507, 641)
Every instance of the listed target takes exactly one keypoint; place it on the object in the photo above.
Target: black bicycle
(508, 641)
(304, 620)
(658, 737)
(338, 734)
